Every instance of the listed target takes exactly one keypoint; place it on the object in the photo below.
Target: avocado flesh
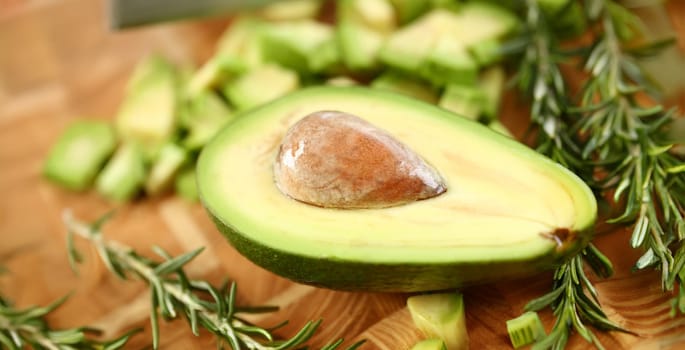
(498, 219)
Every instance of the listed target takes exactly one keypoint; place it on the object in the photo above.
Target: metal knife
(131, 13)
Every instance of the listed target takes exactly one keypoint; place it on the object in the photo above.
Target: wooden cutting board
(58, 62)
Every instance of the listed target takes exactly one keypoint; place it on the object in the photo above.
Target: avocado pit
(334, 159)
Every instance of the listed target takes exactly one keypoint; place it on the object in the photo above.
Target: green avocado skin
(360, 276)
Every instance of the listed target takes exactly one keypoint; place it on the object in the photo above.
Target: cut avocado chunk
(79, 153)
(449, 63)
(170, 159)
(362, 26)
(464, 100)
(147, 115)
(402, 84)
(408, 10)
(203, 116)
(186, 185)
(218, 70)
(441, 316)
(491, 83)
(409, 47)
(261, 85)
(429, 344)
(500, 128)
(294, 44)
(507, 212)
(124, 175)
(525, 329)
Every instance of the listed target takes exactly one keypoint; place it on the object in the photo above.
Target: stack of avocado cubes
(444, 52)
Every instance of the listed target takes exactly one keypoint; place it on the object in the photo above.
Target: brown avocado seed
(337, 160)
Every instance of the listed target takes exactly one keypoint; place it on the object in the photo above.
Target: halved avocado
(507, 211)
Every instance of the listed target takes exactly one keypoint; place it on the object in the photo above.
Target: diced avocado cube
(500, 128)
(215, 72)
(429, 344)
(241, 41)
(491, 82)
(525, 329)
(441, 316)
(408, 10)
(79, 153)
(341, 80)
(405, 85)
(409, 47)
(359, 46)
(203, 116)
(261, 85)
(377, 15)
(449, 63)
(478, 21)
(362, 28)
(326, 59)
(168, 162)
(486, 52)
(292, 44)
(290, 10)
(123, 176)
(147, 116)
(463, 100)
(186, 184)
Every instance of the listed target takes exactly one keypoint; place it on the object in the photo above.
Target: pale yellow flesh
(497, 201)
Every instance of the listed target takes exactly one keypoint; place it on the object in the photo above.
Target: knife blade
(131, 13)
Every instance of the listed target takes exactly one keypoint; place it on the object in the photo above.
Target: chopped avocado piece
(341, 80)
(489, 224)
(203, 116)
(449, 63)
(186, 185)
(408, 10)
(478, 21)
(290, 10)
(123, 176)
(294, 44)
(147, 116)
(261, 85)
(79, 153)
(441, 316)
(362, 28)
(429, 344)
(409, 47)
(491, 82)
(241, 40)
(405, 85)
(486, 52)
(463, 100)
(525, 329)
(377, 15)
(500, 128)
(215, 72)
(326, 59)
(165, 167)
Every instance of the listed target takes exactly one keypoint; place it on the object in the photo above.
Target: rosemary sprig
(626, 139)
(540, 78)
(573, 297)
(27, 328)
(574, 301)
(174, 294)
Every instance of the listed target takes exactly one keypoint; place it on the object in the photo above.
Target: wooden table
(58, 62)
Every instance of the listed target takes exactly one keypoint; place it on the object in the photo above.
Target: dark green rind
(359, 276)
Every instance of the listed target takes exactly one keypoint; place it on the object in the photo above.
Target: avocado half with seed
(507, 211)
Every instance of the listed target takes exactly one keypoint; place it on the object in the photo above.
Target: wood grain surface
(58, 62)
